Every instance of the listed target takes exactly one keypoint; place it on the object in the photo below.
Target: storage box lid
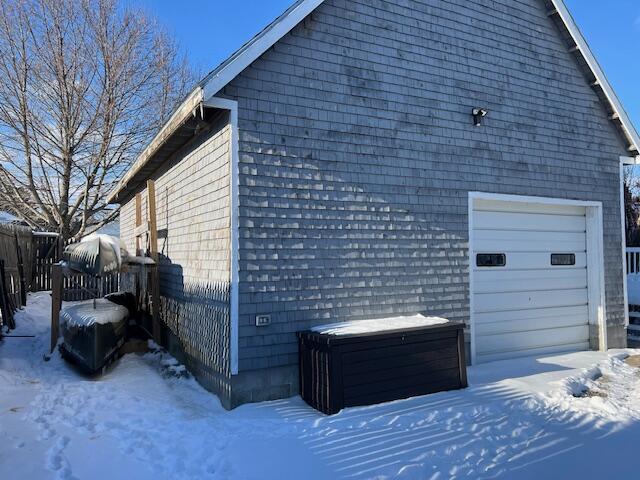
(349, 331)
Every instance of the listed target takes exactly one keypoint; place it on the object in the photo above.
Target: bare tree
(84, 85)
(632, 206)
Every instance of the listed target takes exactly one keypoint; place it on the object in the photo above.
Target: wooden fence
(26, 261)
(15, 270)
(46, 251)
(86, 287)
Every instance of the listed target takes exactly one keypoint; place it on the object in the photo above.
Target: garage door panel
(496, 302)
(529, 324)
(529, 306)
(555, 349)
(534, 315)
(499, 343)
(523, 241)
(532, 261)
(530, 280)
(529, 222)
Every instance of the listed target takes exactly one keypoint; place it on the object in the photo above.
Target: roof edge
(601, 78)
(258, 45)
(186, 109)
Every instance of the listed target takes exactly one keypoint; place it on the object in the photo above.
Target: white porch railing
(633, 260)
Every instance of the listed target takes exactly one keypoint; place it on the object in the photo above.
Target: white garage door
(529, 279)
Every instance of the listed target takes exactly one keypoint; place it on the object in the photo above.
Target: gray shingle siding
(193, 215)
(357, 153)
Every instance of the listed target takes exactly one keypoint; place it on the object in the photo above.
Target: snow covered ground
(566, 416)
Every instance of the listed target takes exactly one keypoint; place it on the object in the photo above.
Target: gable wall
(357, 152)
(193, 216)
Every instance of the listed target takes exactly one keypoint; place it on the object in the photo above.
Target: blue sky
(210, 30)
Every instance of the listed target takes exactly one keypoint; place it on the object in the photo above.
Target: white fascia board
(255, 48)
(186, 109)
(589, 57)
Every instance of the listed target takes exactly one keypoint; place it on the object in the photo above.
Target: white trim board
(595, 258)
(234, 307)
(624, 161)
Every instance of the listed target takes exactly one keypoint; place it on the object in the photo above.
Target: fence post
(20, 264)
(153, 247)
(56, 303)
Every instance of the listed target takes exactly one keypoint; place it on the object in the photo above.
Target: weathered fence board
(46, 252)
(86, 287)
(15, 247)
(27, 262)
(6, 309)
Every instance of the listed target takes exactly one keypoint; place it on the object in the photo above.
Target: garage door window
(491, 260)
(563, 259)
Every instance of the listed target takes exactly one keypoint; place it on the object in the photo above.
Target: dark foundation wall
(358, 150)
(193, 214)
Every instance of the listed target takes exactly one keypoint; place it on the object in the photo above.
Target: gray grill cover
(94, 257)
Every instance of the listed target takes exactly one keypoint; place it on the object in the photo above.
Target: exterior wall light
(478, 115)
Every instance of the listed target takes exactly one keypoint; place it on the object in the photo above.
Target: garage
(535, 276)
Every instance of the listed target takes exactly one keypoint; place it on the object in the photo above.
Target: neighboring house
(331, 170)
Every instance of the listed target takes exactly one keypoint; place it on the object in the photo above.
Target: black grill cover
(93, 332)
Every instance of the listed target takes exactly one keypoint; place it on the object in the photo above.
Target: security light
(478, 114)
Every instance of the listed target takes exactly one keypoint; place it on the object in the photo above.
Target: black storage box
(89, 342)
(338, 371)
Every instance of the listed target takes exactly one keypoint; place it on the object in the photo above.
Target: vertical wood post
(56, 303)
(5, 307)
(138, 222)
(462, 360)
(153, 250)
(23, 280)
